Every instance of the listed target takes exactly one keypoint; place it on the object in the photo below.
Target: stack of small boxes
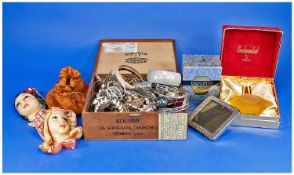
(201, 77)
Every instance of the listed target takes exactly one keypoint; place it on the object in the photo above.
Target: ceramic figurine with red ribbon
(30, 105)
(59, 130)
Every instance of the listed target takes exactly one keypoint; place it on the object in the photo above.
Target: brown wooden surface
(160, 56)
(118, 126)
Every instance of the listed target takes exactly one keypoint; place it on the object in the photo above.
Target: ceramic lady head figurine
(59, 130)
(28, 103)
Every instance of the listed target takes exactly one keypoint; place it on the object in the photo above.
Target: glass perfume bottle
(249, 104)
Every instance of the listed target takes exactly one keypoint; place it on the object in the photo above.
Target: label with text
(173, 126)
(120, 47)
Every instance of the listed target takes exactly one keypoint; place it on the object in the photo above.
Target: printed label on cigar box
(172, 126)
(136, 57)
(123, 127)
(120, 47)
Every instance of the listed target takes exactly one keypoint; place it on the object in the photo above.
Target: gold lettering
(247, 50)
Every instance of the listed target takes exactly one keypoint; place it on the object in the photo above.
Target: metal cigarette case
(212, 117)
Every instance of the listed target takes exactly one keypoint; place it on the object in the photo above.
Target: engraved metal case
(212, 117)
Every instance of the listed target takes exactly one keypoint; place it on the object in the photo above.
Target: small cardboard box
(249, 59)
(141, 55)
(201, 77)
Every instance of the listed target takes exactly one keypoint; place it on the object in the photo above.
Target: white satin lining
(263, 87)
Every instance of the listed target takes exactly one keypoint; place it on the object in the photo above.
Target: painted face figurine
(30, 104)
(59, 130)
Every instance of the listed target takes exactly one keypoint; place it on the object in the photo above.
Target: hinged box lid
(250, 51)
(194, 66)
(140, 54)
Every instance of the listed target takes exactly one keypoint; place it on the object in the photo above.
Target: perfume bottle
(249, 104)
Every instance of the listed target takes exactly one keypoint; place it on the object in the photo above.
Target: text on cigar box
(138, 130)
(136, 57)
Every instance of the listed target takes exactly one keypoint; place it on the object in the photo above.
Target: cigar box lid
(141, 54)
(250, 51)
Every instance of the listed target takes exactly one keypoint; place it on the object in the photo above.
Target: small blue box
(201, 77)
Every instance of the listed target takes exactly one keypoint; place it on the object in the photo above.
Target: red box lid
(250, 51)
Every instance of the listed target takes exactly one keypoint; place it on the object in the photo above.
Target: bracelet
(118, 93)
(103, 103)
(176, 102)
(119, 77)
(164, 77)
(114, 91)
